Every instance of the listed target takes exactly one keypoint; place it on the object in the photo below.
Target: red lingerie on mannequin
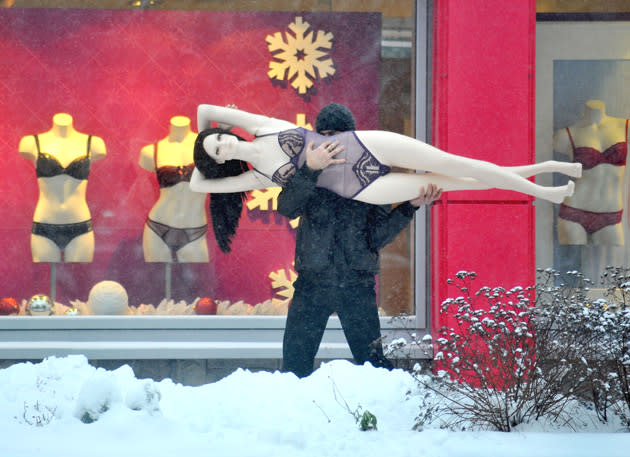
(589, 157)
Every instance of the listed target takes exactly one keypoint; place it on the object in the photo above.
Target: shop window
(125, 77)
(582, 112)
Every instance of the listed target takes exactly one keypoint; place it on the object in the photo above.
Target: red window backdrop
(122, 75)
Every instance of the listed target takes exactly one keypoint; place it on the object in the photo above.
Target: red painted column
(483, 107)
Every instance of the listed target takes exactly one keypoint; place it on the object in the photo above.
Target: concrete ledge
(28, 350)
(166, 322)
(164, 337)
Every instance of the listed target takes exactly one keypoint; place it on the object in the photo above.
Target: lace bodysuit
(360, 169)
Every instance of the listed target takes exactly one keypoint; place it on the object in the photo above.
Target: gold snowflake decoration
(263, 198)
(300, 121)
(302, 57)
(282, 282)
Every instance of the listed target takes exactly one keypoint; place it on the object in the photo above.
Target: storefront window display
(100, 114)
(583, 107)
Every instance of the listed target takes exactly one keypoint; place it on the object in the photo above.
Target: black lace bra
(169, 175)
(48, 166)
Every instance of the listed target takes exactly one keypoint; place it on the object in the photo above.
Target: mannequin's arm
(254, 124)
(147, 157)
(561, 142)
(97, 148)
(27, 148)
(250, 180)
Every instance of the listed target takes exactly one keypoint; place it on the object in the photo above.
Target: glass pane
(125, 78)
(582, 116)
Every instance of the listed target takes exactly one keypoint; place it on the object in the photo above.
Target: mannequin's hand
(324, 155)
(227, 126)
(426, 197)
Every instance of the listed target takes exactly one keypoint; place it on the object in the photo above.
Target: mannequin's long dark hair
(225, 209)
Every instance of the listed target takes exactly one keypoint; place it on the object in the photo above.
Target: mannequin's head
(225, 209)
(212, 164)
(334, 117)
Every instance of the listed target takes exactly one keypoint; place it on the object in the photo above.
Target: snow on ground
(65, 407)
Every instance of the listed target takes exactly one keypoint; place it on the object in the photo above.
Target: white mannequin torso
(62, 198)
(177, 206)
(600, 189)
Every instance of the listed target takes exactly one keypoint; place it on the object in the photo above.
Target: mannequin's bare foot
(575, 171)
(563, 192)
(559, 193)
(571, 169)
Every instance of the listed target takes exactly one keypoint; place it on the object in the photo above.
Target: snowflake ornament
(264, 198)
(300, 121)
(302, 57)
(282, 282)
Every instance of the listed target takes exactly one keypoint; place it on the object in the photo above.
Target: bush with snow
(609, 319)
(509, 357)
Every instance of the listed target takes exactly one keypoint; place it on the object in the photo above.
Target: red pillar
(483, 107)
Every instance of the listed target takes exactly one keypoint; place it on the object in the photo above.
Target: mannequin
(62, 220)
(593, 214)
(374, 151)
(177, 224)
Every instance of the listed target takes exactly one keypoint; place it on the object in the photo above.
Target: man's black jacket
(338, 230)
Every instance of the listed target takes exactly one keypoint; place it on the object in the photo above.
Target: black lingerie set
(174, 238)
(48, 166)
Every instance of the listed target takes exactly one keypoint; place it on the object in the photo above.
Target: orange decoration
(9, 305)
(206, 305)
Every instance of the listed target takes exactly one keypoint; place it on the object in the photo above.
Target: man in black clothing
(336, 257)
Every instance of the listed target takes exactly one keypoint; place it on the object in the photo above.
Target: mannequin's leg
(571, 169)
(402, 151)
(571, 233)
(400, 187)
(194, 252)
(44, 250)
(154, 247)
(80, 249)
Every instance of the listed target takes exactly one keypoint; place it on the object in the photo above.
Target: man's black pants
(308, 314)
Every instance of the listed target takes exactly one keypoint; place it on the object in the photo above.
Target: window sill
(166, 337)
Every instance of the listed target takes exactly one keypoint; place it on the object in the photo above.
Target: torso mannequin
(594, 211)
(177, 222)
(62, 220)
